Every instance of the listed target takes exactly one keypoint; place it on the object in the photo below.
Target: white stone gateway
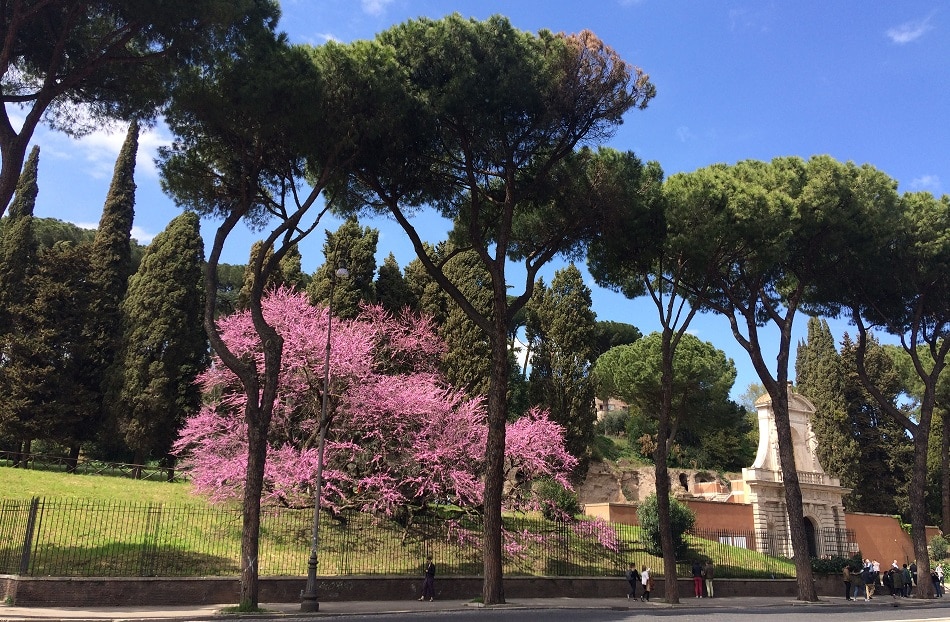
(821, 493)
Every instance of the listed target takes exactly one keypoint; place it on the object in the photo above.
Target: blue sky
(867, 82)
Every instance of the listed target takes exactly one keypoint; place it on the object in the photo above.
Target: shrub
(682, 520)
(613, 423)
(938, 548)
(557, 502)
(834, 565)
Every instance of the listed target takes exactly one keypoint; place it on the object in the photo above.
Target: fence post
(28, 536)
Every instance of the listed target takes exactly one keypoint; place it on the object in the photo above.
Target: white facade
(821, 493)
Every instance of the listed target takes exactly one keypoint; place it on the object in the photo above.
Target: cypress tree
(821, 378)
(17, 262)
(163, 345)
(354, 248)
(392, 291)
(18, 246)
(562, 327)
(886, 451)
(467, 360)
(110, 266)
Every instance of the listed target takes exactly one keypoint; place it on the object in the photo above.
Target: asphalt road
(792, 613)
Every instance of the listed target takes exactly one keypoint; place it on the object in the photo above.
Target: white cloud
(98, 150)
(138, 233)
(684, 134)
(328, 36)
(375, 7)
(141, 235)
(930, 183)
(909, 31)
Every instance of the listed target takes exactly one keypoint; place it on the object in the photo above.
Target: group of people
(897, 580)
(642, 578)
(703, 574)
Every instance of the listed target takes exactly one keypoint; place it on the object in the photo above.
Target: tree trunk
(918, 513)
(661, 457)
(793, 499)
(493, 590)
(137, 460)
(13, 149)
(945, 470)
(72, 461)
(251, 508)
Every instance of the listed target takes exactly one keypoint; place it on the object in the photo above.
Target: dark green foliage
(557, 502)
(73, 64)
(885, 449)
(939, 547)
(230, 281)
(821, 378)
(613, 423)
(46, 379)
(467, 361)
(163, 345)
(560, 328)
(708, 429)
(834, 565)
(354, 248)
(110, 266)
(392, 291)
(27, 188)
(286, 273)
(682, 520)
(18, 249)
(608, 334)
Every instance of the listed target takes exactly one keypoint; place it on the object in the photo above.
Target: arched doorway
(810, 537)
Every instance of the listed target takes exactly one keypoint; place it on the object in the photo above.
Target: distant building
(611, 404)
(750, 510)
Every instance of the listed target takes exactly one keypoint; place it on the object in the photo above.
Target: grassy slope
(25, 483)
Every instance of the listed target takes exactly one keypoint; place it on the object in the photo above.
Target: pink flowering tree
(399, 438)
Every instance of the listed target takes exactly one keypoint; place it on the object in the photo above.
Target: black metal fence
(85, 538)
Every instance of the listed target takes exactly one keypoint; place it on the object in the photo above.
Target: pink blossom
(399, 434)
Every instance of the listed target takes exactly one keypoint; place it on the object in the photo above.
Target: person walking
(633, 578)
(697, 579)
(868, 580)
(709, 575)
(846, 576)
(940, 576)
(897, 581)
(647, 582)
(857, 580)
(428, 581)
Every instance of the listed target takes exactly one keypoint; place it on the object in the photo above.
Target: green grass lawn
(94, 525)
(27, 483)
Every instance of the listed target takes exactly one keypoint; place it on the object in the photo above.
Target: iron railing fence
(63, 537)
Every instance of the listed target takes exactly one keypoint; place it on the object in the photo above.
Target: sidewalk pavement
(10, 613)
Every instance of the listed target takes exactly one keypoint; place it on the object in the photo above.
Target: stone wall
(84, 592)
(611, 483)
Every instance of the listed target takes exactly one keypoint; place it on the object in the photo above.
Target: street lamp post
(309, 601)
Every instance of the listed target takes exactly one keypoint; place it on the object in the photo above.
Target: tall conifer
(354, 248)
(562, 327)
(110, 265)
(17, 260)
(163, 346)
(821, 378)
